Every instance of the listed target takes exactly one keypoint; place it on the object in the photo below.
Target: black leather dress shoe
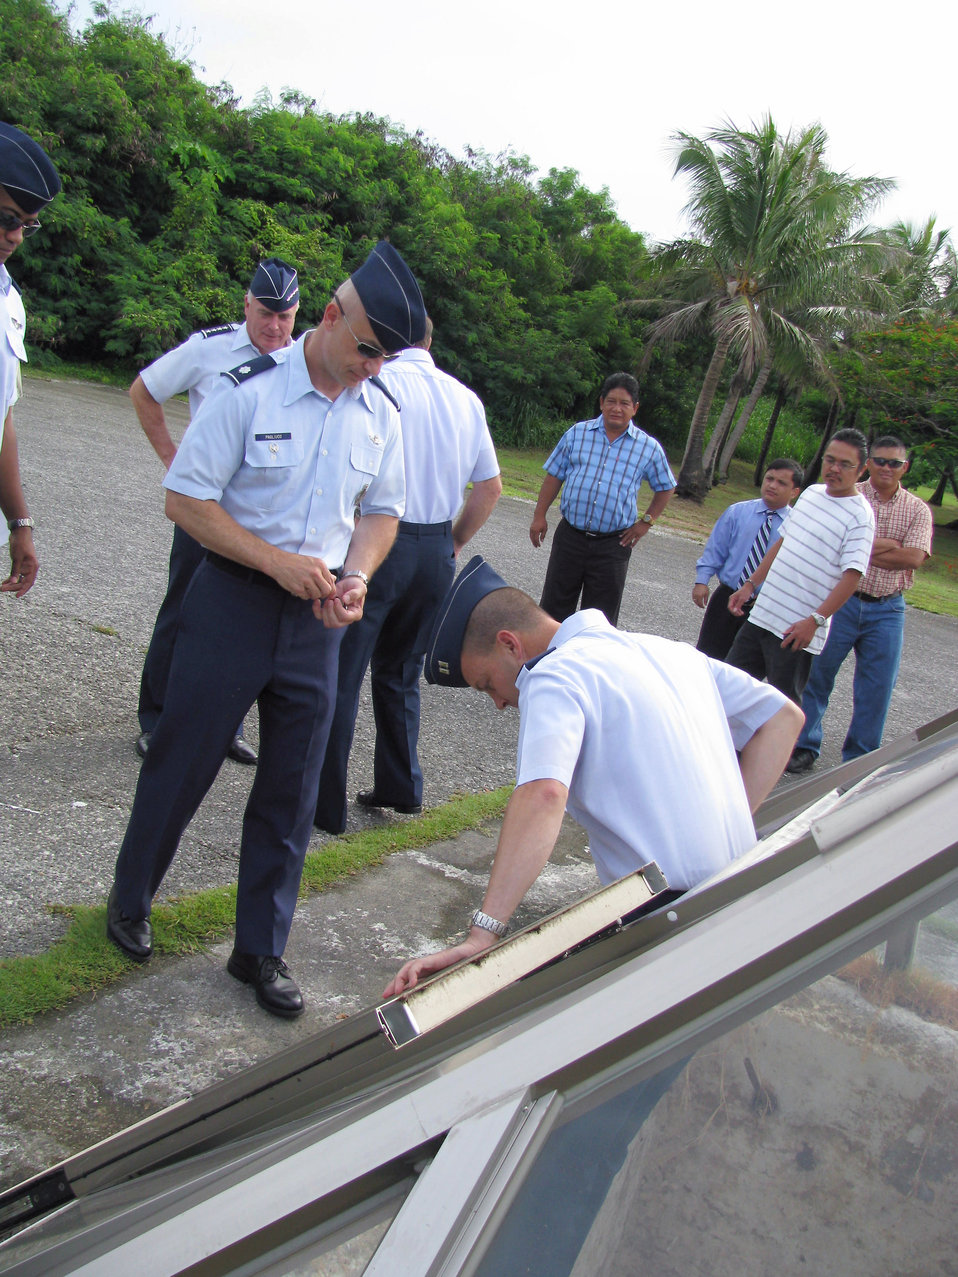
(133, 935)
(368, 798)
(143, 743)
(276, 990)
(241, 751)
(802, 760)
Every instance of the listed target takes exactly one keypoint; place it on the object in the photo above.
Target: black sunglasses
(365, 349)
(895, 463)
(10, 222)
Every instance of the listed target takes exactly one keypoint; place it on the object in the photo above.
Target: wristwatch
(13, 524)
(647, 518)
(819, 619)
(485, 923)
(356, 572)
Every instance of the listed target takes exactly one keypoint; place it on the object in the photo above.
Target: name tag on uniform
(269, 437)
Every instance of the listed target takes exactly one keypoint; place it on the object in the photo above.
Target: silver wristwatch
(355, 572)
(819, 619)
(13, 524)
(485, 923)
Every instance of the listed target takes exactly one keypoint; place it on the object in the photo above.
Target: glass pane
(820, 1137)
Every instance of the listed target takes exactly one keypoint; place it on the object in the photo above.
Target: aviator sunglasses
(365, 349)
(10, 222)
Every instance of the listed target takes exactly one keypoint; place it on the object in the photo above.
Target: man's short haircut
(788, 463)
(621, 381)
(854, 439)
(889, 441)
(507, 609)
(426, 341)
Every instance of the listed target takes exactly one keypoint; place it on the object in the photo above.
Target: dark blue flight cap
(275, 285)
(26, 170)
(444, 649)
(391, 299)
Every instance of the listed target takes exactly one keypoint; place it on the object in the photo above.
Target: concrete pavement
(71, 653)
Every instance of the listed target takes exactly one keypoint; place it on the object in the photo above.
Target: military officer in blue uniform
(28, 181)
(268, 477)
(195, 366)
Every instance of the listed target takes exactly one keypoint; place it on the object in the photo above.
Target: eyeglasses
(894, 463)
(365, 349)
(841, 465)
(10, 222)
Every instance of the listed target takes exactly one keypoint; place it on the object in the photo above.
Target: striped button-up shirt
(601, 480)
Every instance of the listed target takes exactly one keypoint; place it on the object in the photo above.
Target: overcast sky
(600, 87)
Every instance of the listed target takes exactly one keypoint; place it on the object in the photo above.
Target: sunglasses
(365, 349)
(10, 222)
(894, 463)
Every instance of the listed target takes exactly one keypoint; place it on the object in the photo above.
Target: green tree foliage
(904, 381)
(172, 193)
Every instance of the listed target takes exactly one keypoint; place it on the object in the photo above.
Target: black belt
(425, 529)
(875, 598)
(252, 576)
(596, 536)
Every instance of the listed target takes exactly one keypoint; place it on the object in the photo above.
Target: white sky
(601, 86)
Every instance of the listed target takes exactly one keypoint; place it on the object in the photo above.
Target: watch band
(13, 524)
(485, 923)
(355, 572)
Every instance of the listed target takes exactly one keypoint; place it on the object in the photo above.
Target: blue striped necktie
(757, 553)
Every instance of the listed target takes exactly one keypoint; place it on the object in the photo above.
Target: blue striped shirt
(601, 480)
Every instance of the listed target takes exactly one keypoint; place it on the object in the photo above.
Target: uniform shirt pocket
(272, 460)
(366, 457)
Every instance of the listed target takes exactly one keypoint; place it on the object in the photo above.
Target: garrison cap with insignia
(275, 285)
(444, 649)
(26, 171)
(391, 299)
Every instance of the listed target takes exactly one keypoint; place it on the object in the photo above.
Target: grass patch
(84, 960)
(915, 990)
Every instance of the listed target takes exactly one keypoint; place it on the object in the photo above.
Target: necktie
(757, 552)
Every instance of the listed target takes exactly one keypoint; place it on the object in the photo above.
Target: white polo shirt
(644, 733)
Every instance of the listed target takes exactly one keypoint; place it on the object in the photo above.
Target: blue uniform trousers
(875, 632)
(186, 555)
(391, 639)
(286, 661)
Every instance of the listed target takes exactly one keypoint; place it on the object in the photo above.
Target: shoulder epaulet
(15, 284)
(218, 331)
(251, 368)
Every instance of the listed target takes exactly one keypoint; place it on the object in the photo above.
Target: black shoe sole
(373, 804)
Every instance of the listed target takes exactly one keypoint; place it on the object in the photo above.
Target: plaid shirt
(904, 518)
(601, 480)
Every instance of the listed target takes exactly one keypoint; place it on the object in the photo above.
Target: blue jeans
(875, 631)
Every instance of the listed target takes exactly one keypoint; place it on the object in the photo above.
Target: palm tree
(773, 226)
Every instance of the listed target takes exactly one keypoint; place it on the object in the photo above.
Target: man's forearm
(478, 506)
(12, 501)
(371, 541)
(530, 828)
(763, 759)
(848, 583)
(548, 492)
(153, 420)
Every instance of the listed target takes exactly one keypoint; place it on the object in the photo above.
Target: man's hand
(700, 595)
(737, 601)
(344, 605)
(634, 534)
(411, 972)
(302, 575)
(538, 529)
(24, 563)
(798, 636)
